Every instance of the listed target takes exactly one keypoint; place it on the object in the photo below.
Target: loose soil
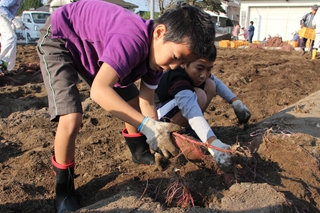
(283, 175)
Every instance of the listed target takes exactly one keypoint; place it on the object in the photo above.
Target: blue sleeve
(187, 102)
(9, 8)
(222, 90)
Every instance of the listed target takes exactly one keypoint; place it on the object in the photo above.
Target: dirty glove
(158, 135)
(242, 112)
(19, 24)
(223, 159)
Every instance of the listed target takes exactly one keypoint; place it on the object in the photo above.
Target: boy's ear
(159, 31)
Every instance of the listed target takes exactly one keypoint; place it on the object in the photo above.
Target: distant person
(316, 44)
(244, 34)
(184, 94)
(295, 36)
(8, 52)
(235, 32)
(251, 31)
(306, 21)
(111, 58)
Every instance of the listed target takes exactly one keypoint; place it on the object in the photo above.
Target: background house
(232, 7)
(230, 18)
(274, 16)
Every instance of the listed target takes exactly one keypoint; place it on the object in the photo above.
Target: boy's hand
(158, 136)
(242, 112)
(223, 159)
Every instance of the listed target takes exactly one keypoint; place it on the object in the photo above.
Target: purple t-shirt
(97, 31)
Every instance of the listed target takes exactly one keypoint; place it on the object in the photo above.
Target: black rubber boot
(65, 194)
(139, 148)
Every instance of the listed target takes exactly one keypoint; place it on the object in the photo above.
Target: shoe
(65, 194)
(139, 148)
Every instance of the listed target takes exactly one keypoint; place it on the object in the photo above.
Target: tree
(165, 4)
(212, 5)
(146, 15)
(27, 4)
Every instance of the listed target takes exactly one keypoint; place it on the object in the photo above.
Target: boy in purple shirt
(110, 48)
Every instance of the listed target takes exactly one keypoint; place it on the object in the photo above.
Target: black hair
(211, 54)
(251, 22)
(189, 25)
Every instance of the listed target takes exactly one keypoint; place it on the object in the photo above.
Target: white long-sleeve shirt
(316, 22)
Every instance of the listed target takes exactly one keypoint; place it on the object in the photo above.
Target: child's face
(199, 70)
(167, 55)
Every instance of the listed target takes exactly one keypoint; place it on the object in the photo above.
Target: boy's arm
(146, 101)
(222, 90)
(102, 93)
(242, 112)
(157, 133)
(187, 103)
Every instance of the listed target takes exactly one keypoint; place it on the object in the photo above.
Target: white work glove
(158, 136)
(242, 112)
(19, 24)
(223, 159)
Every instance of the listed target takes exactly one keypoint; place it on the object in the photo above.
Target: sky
(144, 5)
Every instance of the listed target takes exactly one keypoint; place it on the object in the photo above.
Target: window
(26, 18)
(40, 18)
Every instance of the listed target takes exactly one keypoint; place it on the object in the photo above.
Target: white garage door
(276, 20)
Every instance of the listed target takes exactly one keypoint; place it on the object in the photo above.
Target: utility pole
(151, 9)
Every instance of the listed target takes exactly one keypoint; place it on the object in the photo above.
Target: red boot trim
(127, 135)
(59, 166)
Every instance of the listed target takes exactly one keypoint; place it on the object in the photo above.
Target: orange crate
(234, 44)
(224, 43)
(293, 43)
(308, 33)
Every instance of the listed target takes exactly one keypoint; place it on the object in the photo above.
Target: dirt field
(282, 176)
